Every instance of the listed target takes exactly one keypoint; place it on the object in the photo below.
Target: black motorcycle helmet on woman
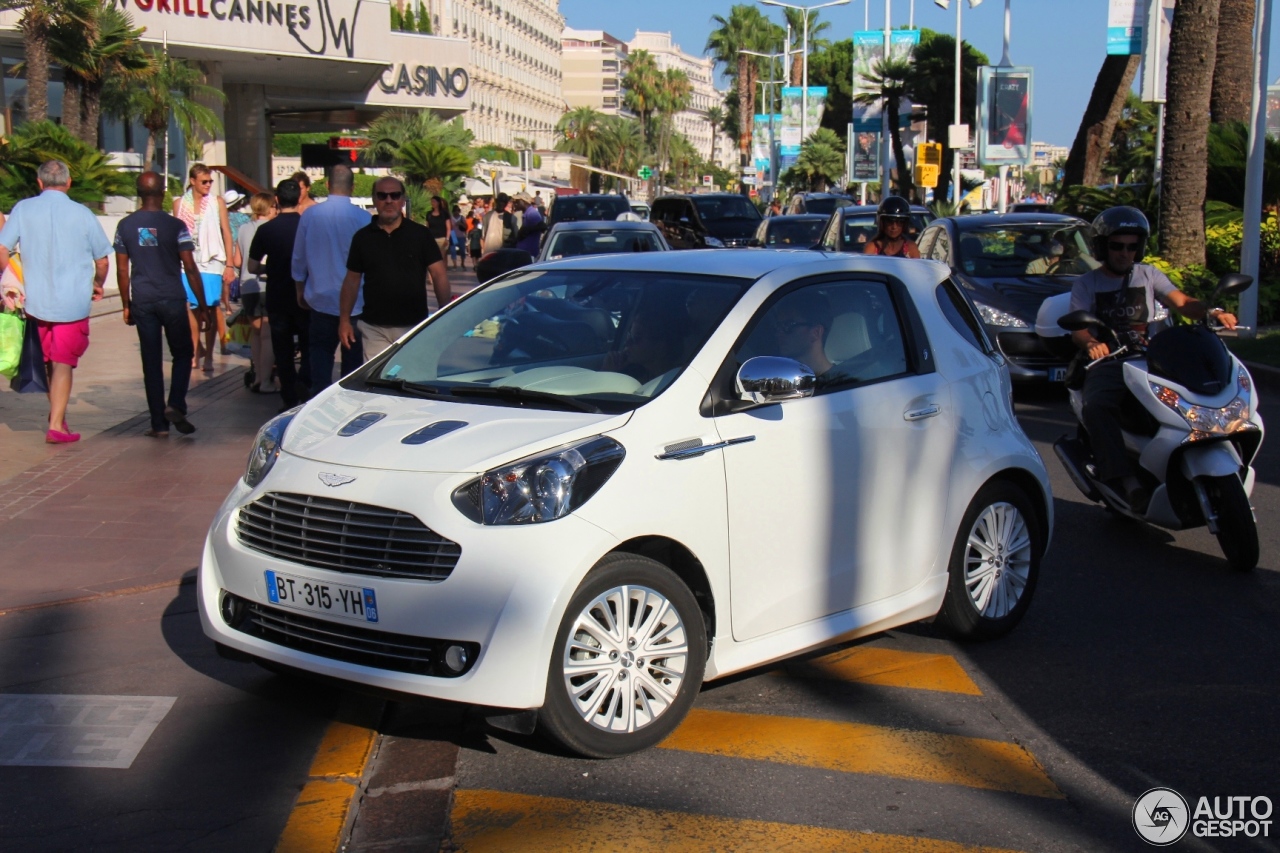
(1115, 221)
(893, 209)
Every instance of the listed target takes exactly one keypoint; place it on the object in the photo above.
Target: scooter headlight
(1206, 421)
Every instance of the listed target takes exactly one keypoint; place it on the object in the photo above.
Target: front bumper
(1029, 357)
(504, 598)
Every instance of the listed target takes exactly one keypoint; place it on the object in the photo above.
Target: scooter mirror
(1077, 320)
(1233, 283)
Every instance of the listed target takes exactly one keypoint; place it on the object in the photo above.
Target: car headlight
(266, 447)
(1003, 319)
(1204, 420)
(714, 242)
(543, 487)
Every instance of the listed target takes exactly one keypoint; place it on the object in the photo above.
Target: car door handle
(678, 452)
(921, 414)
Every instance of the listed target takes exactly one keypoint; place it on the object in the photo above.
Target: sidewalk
(117, 510)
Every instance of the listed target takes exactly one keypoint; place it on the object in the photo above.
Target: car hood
(732, 228)
(488, 435)
(1020, 296)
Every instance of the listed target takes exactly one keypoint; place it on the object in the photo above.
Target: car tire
(994, 564)
(616, 688)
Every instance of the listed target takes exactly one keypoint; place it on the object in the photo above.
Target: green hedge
(363, 188)
(290, 144)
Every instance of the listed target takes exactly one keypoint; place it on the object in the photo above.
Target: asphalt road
(1143, 662)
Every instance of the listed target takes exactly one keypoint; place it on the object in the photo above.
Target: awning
(477, 186)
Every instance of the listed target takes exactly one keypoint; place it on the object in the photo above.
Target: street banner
(760, 140)
(868, 49)
(866, 156)
(1155, 50)
(1004, 115)
(793, 106)
(1126, 23)
(867, 116)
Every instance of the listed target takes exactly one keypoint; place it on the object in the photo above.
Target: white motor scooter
(1190, 423)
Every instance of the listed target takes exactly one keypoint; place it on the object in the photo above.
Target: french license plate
(1057, 374)
(349, 602)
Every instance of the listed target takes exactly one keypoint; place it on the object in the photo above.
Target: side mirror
(501, 261)
(1077, 320)
(1233, 283)
(772, 379)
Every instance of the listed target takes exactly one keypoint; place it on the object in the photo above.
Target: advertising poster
(760, 140)
(1155, 56)
(866, 156)
(1126, 22)
(793, 107)
(1004, 115)
(868, 49)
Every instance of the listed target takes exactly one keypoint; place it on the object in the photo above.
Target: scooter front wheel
(1237, 530)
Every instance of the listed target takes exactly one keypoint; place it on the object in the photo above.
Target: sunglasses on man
(1118, 246)
(391, 196)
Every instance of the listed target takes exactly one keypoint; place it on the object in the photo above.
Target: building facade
(515, 65)
(692, 123)
(593, 64)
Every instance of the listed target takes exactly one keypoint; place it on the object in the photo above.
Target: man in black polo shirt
(287, 317)
(395, 256)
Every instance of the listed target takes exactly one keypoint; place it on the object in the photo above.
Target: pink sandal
(57, 436)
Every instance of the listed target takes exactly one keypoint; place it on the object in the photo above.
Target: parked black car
(823, 203)
(800, 231)
(595, 206)
(1008, 265)
(705, 220)
(849, 228)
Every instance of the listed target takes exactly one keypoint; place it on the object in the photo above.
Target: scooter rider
(893, 219)
(1122, 293)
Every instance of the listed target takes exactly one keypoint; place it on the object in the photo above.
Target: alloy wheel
(997, 560)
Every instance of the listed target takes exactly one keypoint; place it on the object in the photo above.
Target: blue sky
(1065, 40)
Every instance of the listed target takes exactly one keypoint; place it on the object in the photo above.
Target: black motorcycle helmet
(1120, 220)
(893, 207)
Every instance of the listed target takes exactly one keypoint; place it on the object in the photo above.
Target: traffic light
(928, 164)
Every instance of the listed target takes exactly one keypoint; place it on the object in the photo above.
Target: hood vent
(360, 423)
(435, 430)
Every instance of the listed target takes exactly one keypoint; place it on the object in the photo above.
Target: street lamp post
(955, 169)
(773, 150)
(804, 74)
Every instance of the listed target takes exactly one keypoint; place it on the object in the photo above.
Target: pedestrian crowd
(316, 283)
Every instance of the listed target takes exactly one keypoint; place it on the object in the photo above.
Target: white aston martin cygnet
(589, 486)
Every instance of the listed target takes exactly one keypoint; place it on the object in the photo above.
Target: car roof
(824, 195)
(742, 263)
(980, 221)
(875, 208)
(700, 195)
(799, 217)
(580, 196)
(604, 225)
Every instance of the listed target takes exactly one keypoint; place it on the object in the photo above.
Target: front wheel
(995, 563)
(628, 659)
(1237, 530)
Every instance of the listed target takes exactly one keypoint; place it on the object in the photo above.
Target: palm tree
(95, 42)
(1233, 70)
(640, 85)
(745, 29)
(38, 16)
(674, 95)
(795, 18)
(684, 160)
(580, 133)
(1097, 125)
(932, 83)
(1192, 45)
(430, 163)
(93, 178)
(821, 160)
(715, 118)
(622, 144)
(394, 128)
(171, 87)
(888, 82)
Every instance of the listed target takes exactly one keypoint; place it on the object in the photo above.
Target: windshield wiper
(416, 388)
(516, 395)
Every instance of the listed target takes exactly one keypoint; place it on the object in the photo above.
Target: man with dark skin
(151, 247)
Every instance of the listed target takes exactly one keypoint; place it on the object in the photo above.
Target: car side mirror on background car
(1077, 320)
(772, 379)
(501, 261)
(1233, 283)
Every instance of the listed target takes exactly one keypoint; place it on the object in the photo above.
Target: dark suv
(705, 220)
(825, 203)
(593, 206)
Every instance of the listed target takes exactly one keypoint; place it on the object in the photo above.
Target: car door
(837, 500)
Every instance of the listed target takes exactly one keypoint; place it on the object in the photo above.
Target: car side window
(848, 332)
(956, 308)
(926, 242)
(830, 237)
(941, 248)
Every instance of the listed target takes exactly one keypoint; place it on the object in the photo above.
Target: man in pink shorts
(64, 265)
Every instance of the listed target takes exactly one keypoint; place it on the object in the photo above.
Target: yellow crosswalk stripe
(866, 749)
(889, 668)
(490, 821)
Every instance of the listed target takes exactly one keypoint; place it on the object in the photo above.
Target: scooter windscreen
(1191, 356)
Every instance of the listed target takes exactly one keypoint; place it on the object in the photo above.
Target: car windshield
(860, 228)
(826, 205)
(1027, 249)
(585, 340)
(569, 244)
(794, 232)
(576, 209)
(725, 207)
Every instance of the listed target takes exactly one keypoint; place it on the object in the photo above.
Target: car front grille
(348, 643)
(737, 242)
(343, 536)
(1028, 350)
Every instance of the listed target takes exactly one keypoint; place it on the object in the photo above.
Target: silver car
(590, 237)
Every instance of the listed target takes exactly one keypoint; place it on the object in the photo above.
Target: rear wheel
(628, 659)
(1237, 530)
(995, 563)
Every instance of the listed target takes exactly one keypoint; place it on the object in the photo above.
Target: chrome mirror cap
(772, 379)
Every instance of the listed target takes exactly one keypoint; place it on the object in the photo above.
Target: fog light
(232, 609)
(456, 658)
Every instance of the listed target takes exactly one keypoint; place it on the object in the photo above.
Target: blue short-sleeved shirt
(320, 252)
(59, 240)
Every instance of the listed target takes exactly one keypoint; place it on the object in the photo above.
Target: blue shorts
(212, 289)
